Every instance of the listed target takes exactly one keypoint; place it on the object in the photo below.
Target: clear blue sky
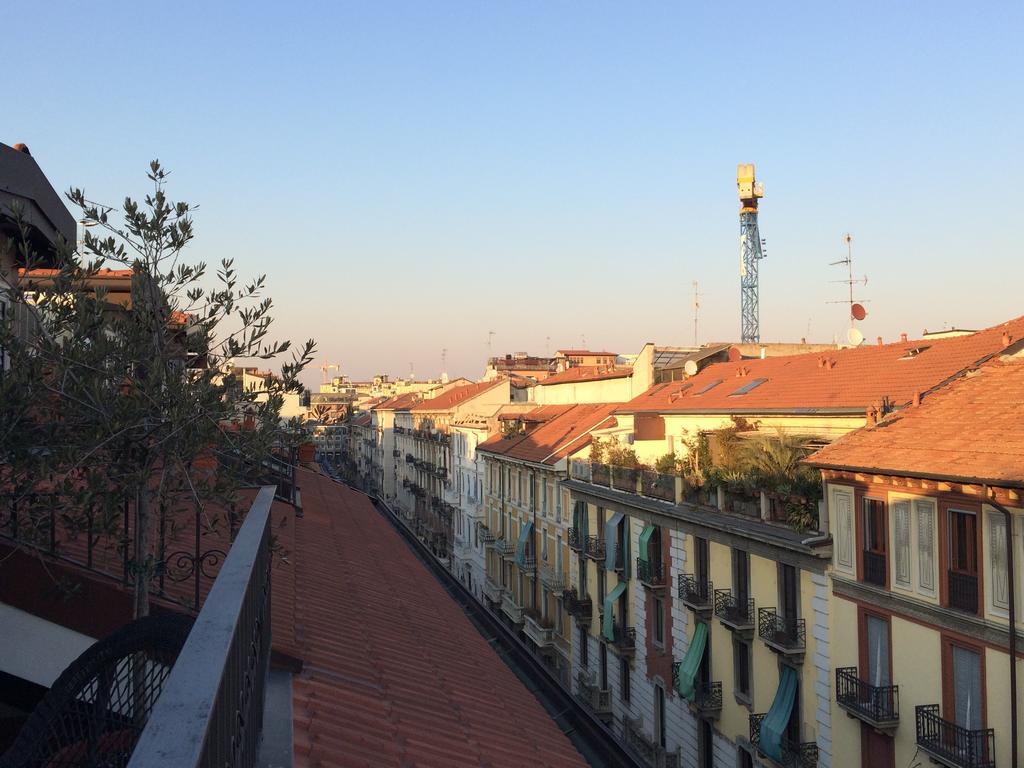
(412, 175)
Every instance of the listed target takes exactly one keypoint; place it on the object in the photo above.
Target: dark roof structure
(24, 184)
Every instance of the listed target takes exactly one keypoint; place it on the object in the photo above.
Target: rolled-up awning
(645, 541)
(611, 540)
(608, 620)
(524, 536)
(691, 662)
(775, 722)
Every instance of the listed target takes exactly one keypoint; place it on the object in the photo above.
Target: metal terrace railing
(952, 744)
(781, 633)
(734, 612)
(211, 709)
(878, 705)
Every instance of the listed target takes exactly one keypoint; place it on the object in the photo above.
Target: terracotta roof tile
(398, 402)
(362, 420)
(565, 428)
(970, 429)
(587, 373)
(844, 379)
(457, 395)
(395, 673)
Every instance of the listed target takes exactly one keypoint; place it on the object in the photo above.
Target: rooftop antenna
(697, 295)
(583, 341)
(547, 346)
(856, 307)
(490, 335)
(412, 376)
(444, 361)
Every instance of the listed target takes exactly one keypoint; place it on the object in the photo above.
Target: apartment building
(526, 529)
(711, 578)
(926, 513)
(466, 493)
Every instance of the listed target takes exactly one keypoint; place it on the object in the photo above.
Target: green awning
(611, 541)
(608, 620)
(645, 540)
(524, 536)
(774, 724)
(691, 662)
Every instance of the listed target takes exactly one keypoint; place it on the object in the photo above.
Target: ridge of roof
(457, 395)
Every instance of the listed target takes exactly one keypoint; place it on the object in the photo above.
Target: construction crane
(751, 252)
(326, 367)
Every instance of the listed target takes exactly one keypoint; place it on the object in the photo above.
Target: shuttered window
(925, 511)
(1000, 588)
(901, 542)
(844, 515)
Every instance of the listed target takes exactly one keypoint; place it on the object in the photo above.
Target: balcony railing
(492, 590)
(952, 744)
(780, 633)
(528, 564)
(597, 700)
(577, 541)
(511, 608)
(623, 639)
(878, 706)
(963, 592)
(552, 578)
(538, 629)
(735, 613)
(485, 535)
(595, 548)
(875, 569)
(582, 608)
(794, 755)
(504, 547)
(651, 573)
(696, 593)
(217, 684)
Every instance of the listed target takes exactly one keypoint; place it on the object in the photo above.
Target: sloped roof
(838, 380)
(971, 429)
(398, 402)
(395, 673)
(23, 181)
(587, 373)
(362, 420)
(583, 352)
(457, 395)
(565, 428)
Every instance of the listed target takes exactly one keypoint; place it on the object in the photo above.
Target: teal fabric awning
(774, 724)
(645, 541)
(608, 620)
(611, 540)
(524, 536)
(691, 662)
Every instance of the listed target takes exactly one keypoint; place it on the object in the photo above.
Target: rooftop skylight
(708, 387)
(752, 384)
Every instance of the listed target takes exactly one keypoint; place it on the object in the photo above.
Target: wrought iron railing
(595, 547)
(877, 704)
(582, 608)
(963, 592)
(794, 755)
(707, 698)
(696, 593)
(781, 632)
(953, 744)
(485, 535)
(875, 568)
(734, 612)
(650, 572)
(577, 541)
(623, 638)
(211, 708)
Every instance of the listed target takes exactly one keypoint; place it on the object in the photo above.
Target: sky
(411, 175)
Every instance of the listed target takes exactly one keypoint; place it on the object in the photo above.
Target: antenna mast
(853, 305)
(696, 310)
(750, 191)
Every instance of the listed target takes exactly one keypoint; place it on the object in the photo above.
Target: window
(701, 560)
(843, 504)
(999, 587)
(741, 653)
(659, 714)
(624, 679)
(754, 384)
(584, 647)
(707, 387)
(543, 498)
(901, 543)
(963, 560)
(741, 576)
(925, 513)
(559, 617)
(789, 601)
(876, 638)
(604, 667)
(544, 545)
(705, 745)
(744, 759)
(963, 700)
(875, 533)
(658, 619)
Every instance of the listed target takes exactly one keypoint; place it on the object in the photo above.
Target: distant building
(520, 365)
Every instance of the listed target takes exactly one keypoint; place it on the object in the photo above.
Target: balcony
(505, 548)
(600, 474)
(582, 609)
(597, 700)
(528, 565)
(552, 578)
(623, 640)
(794, 755)
(409, 458)
(875, 569)
(511, 608)
(735, 613)
(538, 629)
(640, 743)
(783, 635)
(396, 453)
(625, 479)
(577, 541)
(951, 745)
(595, 548)
(696, 594)
(878, 706)
(963, 592)
(650, 573)
(485, 535)
(492, 590)
(658, 486)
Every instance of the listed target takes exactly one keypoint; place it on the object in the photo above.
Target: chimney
(803, 339)
(903, 337)
(879, 341)
(19, 147)
(917, 399)
(830, 363)
(1007, 338)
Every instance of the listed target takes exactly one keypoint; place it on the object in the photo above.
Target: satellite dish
(690, 367)
(854, 336)
(735, 355)
(858, 311)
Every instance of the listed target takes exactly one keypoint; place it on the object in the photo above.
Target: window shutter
(901, 523)
(997, 556)
(844, 512)
(926, 545)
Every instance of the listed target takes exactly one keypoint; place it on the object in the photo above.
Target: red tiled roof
(566, 429)
(398, 402)
(844, 379)
(968, 430)
(587, 373)
(581, 352)
(362, 420)
(457, 395)
(394, 672)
